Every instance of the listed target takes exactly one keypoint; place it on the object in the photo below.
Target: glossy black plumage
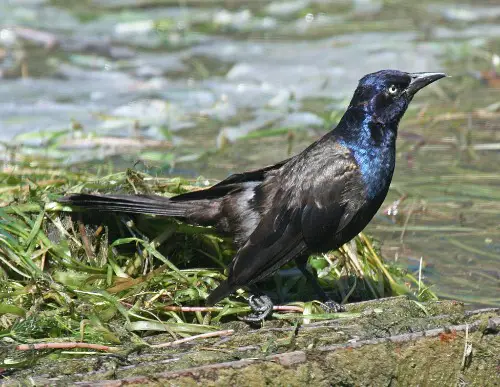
(313, 202)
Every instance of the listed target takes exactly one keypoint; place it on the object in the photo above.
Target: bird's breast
(376, 166)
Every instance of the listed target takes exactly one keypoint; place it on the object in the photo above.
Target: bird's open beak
(420, 80)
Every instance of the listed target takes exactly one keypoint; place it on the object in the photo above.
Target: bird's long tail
(133, 204)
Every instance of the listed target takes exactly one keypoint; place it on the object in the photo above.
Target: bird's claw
(333, 307)
(260, 303)
(261, 306)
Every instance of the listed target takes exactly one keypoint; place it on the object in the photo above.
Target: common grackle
(310, 203)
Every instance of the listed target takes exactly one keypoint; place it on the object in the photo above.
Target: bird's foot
(261, 306)
(333, 307)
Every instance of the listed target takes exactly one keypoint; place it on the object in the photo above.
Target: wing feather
(302, 215)
(232, 183)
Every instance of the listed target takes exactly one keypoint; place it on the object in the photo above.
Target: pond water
(217, 87)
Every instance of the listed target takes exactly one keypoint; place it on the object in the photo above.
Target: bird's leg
(331, 306)
(261, 306)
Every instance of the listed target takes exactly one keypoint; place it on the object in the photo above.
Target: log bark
(394, 342)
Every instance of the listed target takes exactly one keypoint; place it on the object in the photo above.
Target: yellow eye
(393, 89)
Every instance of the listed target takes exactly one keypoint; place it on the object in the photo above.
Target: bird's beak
(420, 80)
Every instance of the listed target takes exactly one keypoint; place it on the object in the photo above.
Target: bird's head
(385, 95)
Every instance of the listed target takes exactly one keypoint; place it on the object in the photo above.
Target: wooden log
(393, 342)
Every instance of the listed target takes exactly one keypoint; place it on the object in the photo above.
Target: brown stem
(70, 345)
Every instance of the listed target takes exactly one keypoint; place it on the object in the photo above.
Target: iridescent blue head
(385, 95)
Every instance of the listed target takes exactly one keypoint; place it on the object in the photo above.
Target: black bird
(310, 203)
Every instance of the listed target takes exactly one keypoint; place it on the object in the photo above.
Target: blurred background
(211, 87)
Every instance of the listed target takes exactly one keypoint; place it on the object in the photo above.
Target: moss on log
(393, 342)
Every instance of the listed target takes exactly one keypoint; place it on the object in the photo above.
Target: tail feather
(134, 204)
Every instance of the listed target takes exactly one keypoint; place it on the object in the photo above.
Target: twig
(276, 308)
(70, 345)
(288, 308)
(407, 220)
(121, 142)
(86, 243)
(202, 336)
(420, 275)
(193, 308)
(467, 347)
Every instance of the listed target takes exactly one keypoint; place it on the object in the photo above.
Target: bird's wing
(231, 183)
(276, 240)
(251, 176)
(304, 215)
(334, 200)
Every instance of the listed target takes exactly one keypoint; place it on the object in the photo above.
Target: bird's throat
(373, 146)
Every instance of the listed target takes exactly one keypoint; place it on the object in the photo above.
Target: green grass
(68, 277)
